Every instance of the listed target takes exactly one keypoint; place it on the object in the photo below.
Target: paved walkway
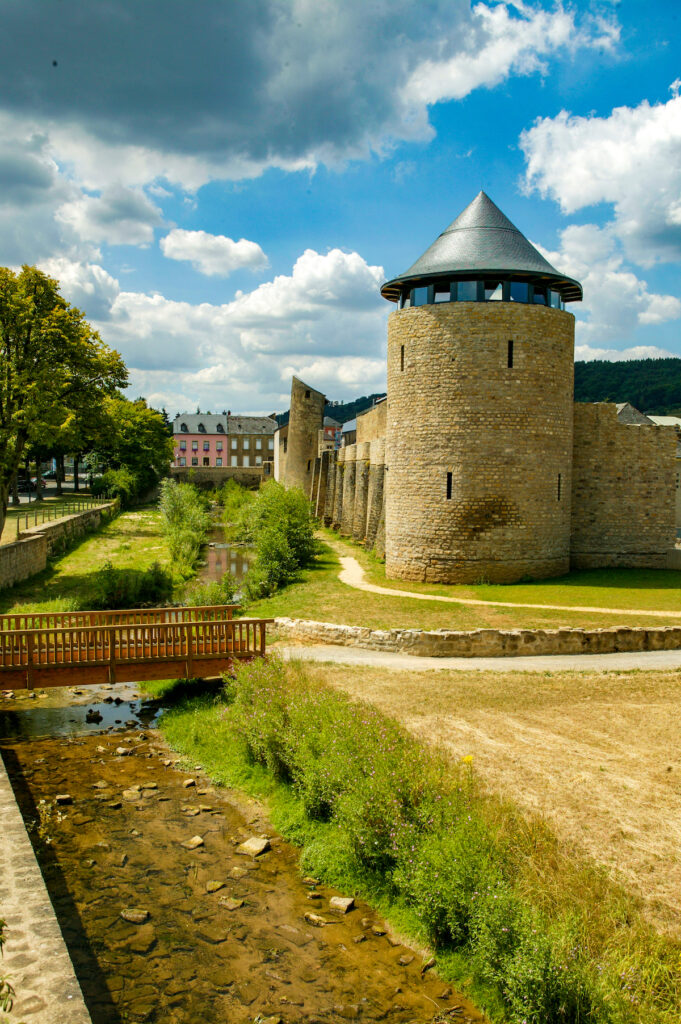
(352, 574)
(356, 656)
(36, 959)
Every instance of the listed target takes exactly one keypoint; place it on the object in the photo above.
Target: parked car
(25, 482)
(50, 474)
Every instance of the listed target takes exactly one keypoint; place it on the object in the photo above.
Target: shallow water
(221, 556)
(242, 951)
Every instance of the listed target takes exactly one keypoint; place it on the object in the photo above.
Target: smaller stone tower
(306, 419)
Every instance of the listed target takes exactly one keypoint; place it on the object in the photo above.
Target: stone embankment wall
(479, 442)
(28, 555)
(483, 643)
(623, 492)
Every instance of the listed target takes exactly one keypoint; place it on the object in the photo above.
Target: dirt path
(352, 574)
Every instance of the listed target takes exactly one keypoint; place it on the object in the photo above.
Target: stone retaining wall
(484, 643)
(28, 555)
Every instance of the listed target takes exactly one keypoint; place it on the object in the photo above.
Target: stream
(216, 935)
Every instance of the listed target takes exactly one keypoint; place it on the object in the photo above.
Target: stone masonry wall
(348, 508)
(305, 422)
(498, 437)
(483, 643)
(28, 555)
(338, 489)
(329, 500)
(623, 492)
(359, 520)
(372, 423)
(375, 491)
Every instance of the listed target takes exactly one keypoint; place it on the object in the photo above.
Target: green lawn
(132, 540)
(320, 595)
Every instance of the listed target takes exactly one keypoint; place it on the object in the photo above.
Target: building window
(206, 461)
(467, 291)
(234, 444)
(206, 446)
(285, 444)
(258, 460)
(309, 464)
(494, 291)
(307, 394)
(519, 291)
(195, 446)
(234, 460)
(401, 357)
(183, 461)
(218, 461)
(258, 444)
(270, 443)
(442, 293)
(183, 428)
(559, 485)
(195, 460)
(247, 444)
(449, 486)
(539, 297)
(183, 446)
(510, 355)
(420, 296)
(246, 461)
(218, 446)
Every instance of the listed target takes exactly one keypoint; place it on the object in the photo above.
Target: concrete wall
(624, 496)
(28, 555)
(372, 424)
(501, 435)
(484, 643)
(305, 421)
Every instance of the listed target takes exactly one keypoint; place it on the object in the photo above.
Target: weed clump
(185, 522)
(129, 588)
(278, 525)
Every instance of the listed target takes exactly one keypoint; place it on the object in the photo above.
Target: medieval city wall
(359, 518)
(623, 491)
(372, 423)
(348, 507)
(479, 442)
(376, 490)
(305, 422)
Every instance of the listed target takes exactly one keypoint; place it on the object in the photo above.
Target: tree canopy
(650, 385)
(54, 368)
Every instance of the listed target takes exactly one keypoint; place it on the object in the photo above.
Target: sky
(222, 186)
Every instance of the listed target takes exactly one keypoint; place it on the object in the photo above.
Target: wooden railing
(120, 652)
(118, 617)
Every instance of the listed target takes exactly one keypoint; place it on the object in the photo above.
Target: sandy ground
(599, 755)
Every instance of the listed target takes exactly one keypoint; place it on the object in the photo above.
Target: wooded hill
(341, 411)
(651, 385)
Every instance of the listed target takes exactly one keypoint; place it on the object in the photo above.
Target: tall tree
(51, 360)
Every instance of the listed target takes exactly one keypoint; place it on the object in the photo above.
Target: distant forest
(650, 385)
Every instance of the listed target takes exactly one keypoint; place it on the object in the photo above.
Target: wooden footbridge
(78, 648)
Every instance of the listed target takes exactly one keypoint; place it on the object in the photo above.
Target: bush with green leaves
(6, 990)
(185, 523)
(222, 591)
(279, 526)
(232, 497)
(130, 588)
(118, 483)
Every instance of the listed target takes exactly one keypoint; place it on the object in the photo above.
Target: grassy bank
(320, 595)
(541, 935)
(131, 541)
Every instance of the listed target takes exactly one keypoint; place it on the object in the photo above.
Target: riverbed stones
(315, 920)
(131, 794)
(193, 843)
(341, 904)
(134, 915)
(230, 903)
(188, 783)
(63, 799)
(214, 885)
(122, 752)
(254, 847)
(405, 959)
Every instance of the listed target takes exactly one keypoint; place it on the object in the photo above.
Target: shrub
(129, 588)
(222, 591)
(186, 521)
(233, 497)
(118, 483)
(279, 526)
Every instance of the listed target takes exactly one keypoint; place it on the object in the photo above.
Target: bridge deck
(127, 652)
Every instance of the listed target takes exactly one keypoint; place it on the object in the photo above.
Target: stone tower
(480, 407)
(305, 421)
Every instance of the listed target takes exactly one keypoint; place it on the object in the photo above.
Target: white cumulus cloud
(119, 216)
(213, 255)
(630, 159)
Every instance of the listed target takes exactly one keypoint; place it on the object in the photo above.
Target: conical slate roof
(482, 240)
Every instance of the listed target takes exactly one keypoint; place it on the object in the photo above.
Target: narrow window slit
(559, 485)
(401, 357)
(449, 486)
(510, 355)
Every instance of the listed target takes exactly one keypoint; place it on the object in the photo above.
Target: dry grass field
(599, 756)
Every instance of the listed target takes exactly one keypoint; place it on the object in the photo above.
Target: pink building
(208, 440)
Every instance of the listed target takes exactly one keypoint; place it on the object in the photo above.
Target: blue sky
(223, 186)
